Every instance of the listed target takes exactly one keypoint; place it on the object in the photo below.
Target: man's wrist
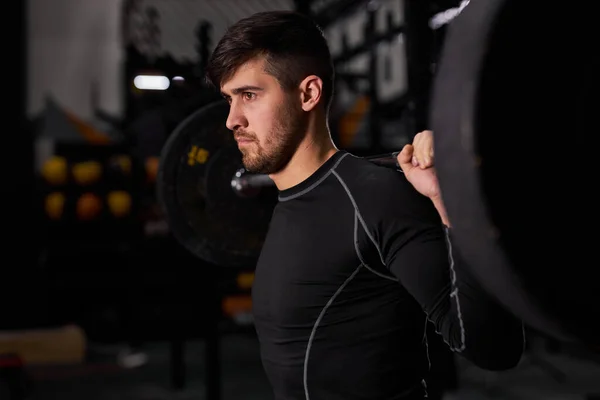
(441, 209)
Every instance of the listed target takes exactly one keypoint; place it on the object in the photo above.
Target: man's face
(268, 123)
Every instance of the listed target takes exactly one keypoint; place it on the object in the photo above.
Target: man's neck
(316, 148)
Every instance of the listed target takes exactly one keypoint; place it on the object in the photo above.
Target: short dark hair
(292, 44)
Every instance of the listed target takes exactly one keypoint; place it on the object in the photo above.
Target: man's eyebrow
(241, 89)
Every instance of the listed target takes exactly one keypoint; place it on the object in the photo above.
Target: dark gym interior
(99, 299)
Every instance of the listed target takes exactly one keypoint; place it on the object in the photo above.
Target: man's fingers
(416, 158)
(406, 154)
(423, 149)
(419, 153)
(405, 158)
(426, 151)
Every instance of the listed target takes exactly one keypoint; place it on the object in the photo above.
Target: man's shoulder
(364, 176)
(381, 191)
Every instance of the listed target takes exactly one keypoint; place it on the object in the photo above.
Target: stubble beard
(279, 146)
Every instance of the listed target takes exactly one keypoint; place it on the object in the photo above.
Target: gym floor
(243, 377)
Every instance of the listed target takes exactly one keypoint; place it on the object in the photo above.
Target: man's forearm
(441, 209)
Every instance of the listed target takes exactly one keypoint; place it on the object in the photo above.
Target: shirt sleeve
(417, 249)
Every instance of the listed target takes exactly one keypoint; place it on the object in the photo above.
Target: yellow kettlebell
(55, 170)
(87, 172)
(119, 203)
(55, 205)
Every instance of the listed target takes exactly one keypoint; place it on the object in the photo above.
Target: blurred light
(151, 82)
(445, 17)
(178, 78)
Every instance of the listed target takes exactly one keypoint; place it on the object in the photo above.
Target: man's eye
(249, 95)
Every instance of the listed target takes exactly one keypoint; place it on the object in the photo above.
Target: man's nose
(235, 119)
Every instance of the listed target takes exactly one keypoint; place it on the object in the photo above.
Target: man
(358, 256)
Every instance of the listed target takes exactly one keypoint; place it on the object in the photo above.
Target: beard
(279, 146)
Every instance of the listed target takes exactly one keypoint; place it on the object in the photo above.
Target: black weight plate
(507, 102)
(194, 189)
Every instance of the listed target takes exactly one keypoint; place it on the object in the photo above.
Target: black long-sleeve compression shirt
(354, 264)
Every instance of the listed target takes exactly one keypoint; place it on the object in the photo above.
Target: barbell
(511, 109)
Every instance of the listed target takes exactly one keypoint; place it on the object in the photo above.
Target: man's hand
(416, 161)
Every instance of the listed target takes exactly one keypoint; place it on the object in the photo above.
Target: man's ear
(311, 92)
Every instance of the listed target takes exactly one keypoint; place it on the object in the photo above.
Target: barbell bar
(246, 184)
